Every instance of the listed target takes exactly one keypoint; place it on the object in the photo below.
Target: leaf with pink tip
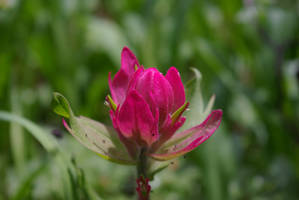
(95, 136)
(186, 141)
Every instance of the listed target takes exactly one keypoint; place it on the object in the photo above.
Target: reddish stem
(143, 188)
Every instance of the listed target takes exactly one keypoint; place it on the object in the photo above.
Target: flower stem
(142, 164)
(143, 188)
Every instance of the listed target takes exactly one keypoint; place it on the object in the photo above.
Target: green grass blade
(45, 139)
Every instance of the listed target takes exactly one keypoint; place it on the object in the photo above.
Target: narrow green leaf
(156, 171)
(17, 138)
(46, 139)
(209, 107)
(111, 102)
(179, 112)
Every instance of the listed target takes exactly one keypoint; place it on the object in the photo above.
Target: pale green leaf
(94, 135)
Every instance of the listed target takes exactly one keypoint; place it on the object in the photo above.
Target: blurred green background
(247, 52)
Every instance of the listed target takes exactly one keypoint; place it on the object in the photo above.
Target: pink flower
(146, 111)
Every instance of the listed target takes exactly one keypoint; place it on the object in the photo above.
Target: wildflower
(146, 109)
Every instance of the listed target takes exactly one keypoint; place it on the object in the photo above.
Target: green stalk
(142, 163)
(17, 138)
(143, 188)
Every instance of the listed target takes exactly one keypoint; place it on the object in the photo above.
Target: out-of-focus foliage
(247, 52)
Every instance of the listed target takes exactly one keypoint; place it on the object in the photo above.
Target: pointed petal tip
(215, 117)
(129, 62)
(126, 48)
(126, 53)
(173, 68)
(213, 97)
(216, 114)
(64, 123)
(218, 110)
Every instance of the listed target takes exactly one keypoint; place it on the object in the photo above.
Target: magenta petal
(157, 91)
(167, 131)
(119, 84)
(135, 120)
(173, 77)
(130, 145)
(192, 138)
(128, 61)
(134, 79)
